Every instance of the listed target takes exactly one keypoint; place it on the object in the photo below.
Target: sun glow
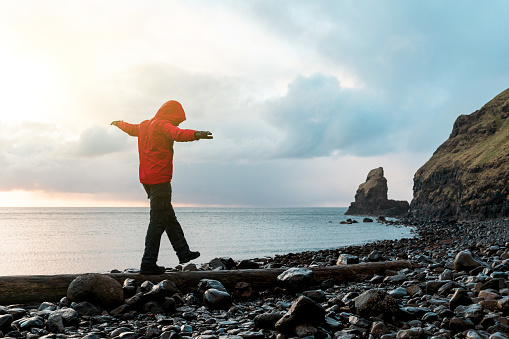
(44, 199)
(30, 87)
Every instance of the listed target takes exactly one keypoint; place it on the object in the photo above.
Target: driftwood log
(39, 288)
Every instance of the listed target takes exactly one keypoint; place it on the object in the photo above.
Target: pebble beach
(457, 287)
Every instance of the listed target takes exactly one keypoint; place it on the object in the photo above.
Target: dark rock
(119, 331)
(378, 328)
(460, 297)
(495, 284)
(503, 305)
(206, 284)
(376, 303)
(5, 322)
(302, 311)
(465, 261)
(47, 306)
(243, 290)
(295, 279)
(169, 286)
(85, 308)
(412, 333)
(347, 259)
(17, 312)
(457, 325)
(248, 265)
(55, 323)
(267, 321)
(222, 264)
(64, 302)
(216, 299)
(152, 307)
(157, 293)
(26, 324)
(129, 287)
(69, 316)
(98, 289)
(473, 312)
(371, 198)
(367, 220)
(316, 295)
(376, 256)
(169, 305)
(146, 286)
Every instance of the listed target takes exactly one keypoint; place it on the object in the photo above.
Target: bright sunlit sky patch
(304, 98)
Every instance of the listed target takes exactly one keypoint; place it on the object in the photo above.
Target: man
(155, 148)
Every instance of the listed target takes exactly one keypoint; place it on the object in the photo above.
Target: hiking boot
(188, 256)
(152, 270)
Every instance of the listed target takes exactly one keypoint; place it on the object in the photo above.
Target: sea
(47, 241)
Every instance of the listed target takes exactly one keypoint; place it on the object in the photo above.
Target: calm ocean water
(79, 240)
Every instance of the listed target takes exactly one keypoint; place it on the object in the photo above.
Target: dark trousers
(162, 218)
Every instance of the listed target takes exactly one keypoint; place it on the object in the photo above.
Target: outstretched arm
(130, 129)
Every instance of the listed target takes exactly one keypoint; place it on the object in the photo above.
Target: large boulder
(376, 303)
(371, 198)
(468, 175)
(303, 311)
(97, 289)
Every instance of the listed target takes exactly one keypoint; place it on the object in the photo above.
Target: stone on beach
(98, 289)
(216, 299)
(347, 259)
(295, 279)
(465, 261)
(376, 303)
(302, 311)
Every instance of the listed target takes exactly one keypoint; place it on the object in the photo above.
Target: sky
(303, 98)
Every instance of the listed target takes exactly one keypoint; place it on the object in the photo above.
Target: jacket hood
(172, 111)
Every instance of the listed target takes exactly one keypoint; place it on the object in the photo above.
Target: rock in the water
(98, 289)
(303, 311)
(465, 261)
(295, 279)
(371, 198)
(216, 299)
(347, 259)
(376, 303)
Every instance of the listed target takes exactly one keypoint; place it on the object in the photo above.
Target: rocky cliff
(468, 175)
(371, 198)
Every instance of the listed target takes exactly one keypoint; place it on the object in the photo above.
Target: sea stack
(371, 198)
(468, 175)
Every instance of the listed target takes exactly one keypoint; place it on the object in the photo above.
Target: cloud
(318, 117)
(97, 141)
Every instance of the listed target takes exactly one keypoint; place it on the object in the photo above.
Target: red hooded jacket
(155, 141)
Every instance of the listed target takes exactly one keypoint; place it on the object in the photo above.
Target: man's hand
(202, 135)
(114, 123)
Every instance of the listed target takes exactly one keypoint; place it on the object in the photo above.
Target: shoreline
(436, 297)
